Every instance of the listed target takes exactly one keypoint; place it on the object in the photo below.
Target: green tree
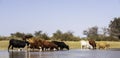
(91, 32)
(38, 33)
(114, 28)
(27, 36)
(17, 35)
(67, 36)
(57, 35)
(45, 36)
(41, 35)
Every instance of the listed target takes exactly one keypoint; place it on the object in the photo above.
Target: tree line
(58, 35)
(110, 33)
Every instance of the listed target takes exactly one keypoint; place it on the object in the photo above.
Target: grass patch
(4, 44)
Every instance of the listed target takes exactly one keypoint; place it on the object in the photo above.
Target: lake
(74, 53)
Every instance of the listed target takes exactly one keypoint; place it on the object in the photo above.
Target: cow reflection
(16, 54)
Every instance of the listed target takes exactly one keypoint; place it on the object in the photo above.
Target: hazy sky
(29, 16)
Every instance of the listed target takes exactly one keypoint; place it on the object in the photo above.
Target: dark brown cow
(36, 43)
(61, 45)
(47, 44)
(92, 43)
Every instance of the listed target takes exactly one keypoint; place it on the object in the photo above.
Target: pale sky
(29, 16)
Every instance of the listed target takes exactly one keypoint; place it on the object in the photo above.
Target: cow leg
(81, 46)
(9, 47)
(12, 47)
(61, 48)
(57, 48)
(51, 48)
(42, 48)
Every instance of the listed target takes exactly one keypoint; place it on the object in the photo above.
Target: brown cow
(47, 44)
(34, 43)
(92, 43)
(103, 45)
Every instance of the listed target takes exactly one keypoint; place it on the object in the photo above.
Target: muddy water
(77, 53)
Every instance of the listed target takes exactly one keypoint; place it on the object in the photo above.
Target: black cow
(17, 43)
(61, 45)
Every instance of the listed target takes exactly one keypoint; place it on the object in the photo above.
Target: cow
(35, 43)
(61, 45)
(47, 44)
(92, 43)
(85, 44)
(17, 43)
(103, 45)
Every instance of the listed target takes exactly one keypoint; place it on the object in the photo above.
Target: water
(75, 53)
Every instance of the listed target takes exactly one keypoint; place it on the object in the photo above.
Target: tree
(45, 36)
(67, 36)
(21, 36)
(17, 34)
(114, 28)
(27, 36)
(91, 32)
(37, 33)
(57, 35)
(104, 34)
(41, 35)
(105, 31)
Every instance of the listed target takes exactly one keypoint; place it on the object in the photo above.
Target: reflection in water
(17, 54)
(62, 54)
(46, 54)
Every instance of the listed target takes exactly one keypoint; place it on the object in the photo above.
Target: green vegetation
(4, 44)
(112, 33)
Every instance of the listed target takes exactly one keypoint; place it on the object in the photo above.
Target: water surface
(75, 53)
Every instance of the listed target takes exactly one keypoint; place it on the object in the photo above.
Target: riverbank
(72, 44)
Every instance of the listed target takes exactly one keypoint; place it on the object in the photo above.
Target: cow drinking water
(61, 45)
(85, 44)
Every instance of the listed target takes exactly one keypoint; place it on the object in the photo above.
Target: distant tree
(38, 33)
(4, 38)
(105, 31)
(17, 35)
(91, 32)
(114, 28)
(57, 35)
(27, 36)
(85, 32)
(41, 35)
(67, 36)
(45, 36)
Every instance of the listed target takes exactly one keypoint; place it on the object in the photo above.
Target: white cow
(85, 45)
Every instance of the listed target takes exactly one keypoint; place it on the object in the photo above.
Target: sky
(49, 16)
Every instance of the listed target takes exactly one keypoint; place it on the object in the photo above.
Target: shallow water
(75, 53)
